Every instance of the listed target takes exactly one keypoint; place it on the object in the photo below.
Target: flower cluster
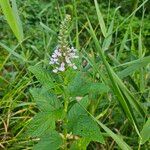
(63, 56)
(62, 59)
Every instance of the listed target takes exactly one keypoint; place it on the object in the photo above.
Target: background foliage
(40, 21)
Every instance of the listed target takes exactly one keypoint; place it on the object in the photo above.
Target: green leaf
(78, 86)
(115, 137)
(87, 128)
(44, 100)
(124, 97)
(100, 19)
(75, 111)
(98, 88)
(51, 141)
(108, 39)
(47, 28)
(42, 75)
(80, 144)
(12, 51)
(82, 85)
(145, 133)
(133, 66)
(42, 122)
(12, 17)
(121, 143)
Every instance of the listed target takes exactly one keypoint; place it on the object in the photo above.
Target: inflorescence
(61, 60)
(63, 56)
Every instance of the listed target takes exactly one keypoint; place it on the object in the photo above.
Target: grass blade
(100, 19)
(12, 17)
(122, 100)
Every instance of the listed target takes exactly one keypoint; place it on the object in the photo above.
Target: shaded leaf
(45, 100)
(82, 85)
(75, 111)
(121, 143)
(78, 86)
(42, 122)
(51, 141)
(42, 75)
(134, 66)
(80, 144)
(145, 133)
(87, 128)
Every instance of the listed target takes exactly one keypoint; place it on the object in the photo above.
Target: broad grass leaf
(123, 96)
(12, 17)
(134, 66)
(108, 39)
(47, 28)
(45, 100)
(12, 51)
(116, 138)
(100, 19)
(42, 122)
(42, 75)
(51, 141)
(145, 133)
(77, 110)
(86, 127)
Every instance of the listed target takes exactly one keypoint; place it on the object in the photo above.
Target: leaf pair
(79, 123)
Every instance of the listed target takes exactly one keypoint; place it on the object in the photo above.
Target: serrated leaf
(51, 141)
(98, 88)
(81, 85)
(42, 75)
(77, 110)
(121, 143)
(87, 128)
(44, 100)
(145, 133)
(80, 144)
(42, 122)
(77, 86)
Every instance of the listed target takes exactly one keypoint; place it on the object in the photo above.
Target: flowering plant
(63, 121)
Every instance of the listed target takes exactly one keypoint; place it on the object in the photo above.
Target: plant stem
(65, 120)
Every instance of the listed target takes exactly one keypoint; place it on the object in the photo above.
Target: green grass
(113, 44)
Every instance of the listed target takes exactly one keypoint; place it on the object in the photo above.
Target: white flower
(55, 70)
(51, 62)
(67, 60)
(62, 67)
(63, 58)
(57, 52)
(74, 67)
(54, 55)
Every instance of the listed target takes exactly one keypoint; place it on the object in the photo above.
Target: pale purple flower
(62, 59)
(62, 67)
